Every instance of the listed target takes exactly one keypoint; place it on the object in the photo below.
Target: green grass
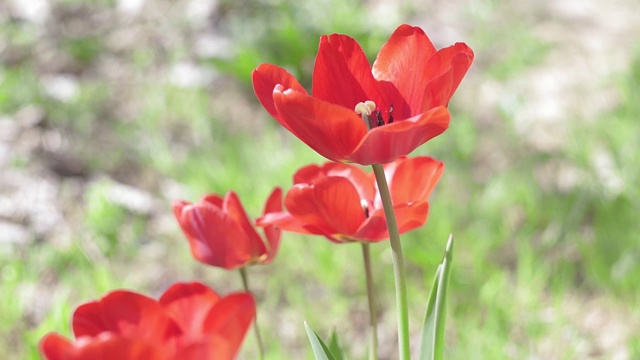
(531, 262)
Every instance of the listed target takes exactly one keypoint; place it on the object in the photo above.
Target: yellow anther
(365, 108)
(370, 105)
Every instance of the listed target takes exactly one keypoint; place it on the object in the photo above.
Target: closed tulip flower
(221, 234)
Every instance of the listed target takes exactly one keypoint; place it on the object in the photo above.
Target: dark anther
(380, 119)
(366, 213)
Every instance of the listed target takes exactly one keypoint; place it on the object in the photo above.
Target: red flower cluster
(221, 234)
(410, 85)
(189, 321)
(405, 95)
(341, 201)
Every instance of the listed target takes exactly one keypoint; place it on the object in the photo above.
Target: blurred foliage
(523, 252)
(285, 33)
(18, 86)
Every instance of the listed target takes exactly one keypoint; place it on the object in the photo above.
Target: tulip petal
(273, 233)
(265, 78)
(228, 322)
(386, 143)
(290, 223)
(178, 207)
(446, 70)
(342, 74)
(402, 61)
(412, 179)
(374, 229)
(188, 304)
(358, 177)
(107, 346)
(283, 220)
(339, 204)
(363, 183)
(214, 237)
(234, 209)
(202, 349)
(331, 130)
(54, 346)
(301, 203)
(126, 313)
(308, 174)
(212, 199)
(411, 216)
(408, 217)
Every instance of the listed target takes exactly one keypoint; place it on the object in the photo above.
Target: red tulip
(410, 85)
(106, 346)
(341, 201)
(190, 321)
(220, 232)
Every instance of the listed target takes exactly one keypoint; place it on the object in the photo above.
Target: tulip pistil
(381, 119)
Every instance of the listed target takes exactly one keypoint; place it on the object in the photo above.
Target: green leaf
(320, 349)
(334, 346)
(432, 341)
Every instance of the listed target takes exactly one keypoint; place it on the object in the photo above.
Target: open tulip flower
(220, 232)
(408, 89)
(341, 201)
(190, 321)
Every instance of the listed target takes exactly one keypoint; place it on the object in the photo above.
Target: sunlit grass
(526, 255)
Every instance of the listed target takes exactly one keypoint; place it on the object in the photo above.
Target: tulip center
(372, 115)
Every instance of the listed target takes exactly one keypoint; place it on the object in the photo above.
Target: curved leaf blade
(432, 339)
(334, 346)
(320, 349)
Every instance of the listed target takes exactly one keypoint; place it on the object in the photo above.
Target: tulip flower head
(189, 321)
(406, 91)
(342, 203)
(220, 233)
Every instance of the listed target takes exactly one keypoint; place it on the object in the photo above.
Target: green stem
(373, 316)
(256, 330)
(398, 262)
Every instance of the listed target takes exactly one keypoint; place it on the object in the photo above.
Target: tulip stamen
(372, 115)
(379, 116)
(365, 207)
(365, 109)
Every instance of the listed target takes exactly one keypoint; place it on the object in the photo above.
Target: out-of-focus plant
(286, 33)
(189, 321)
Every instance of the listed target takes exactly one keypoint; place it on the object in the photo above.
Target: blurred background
(111, 109)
